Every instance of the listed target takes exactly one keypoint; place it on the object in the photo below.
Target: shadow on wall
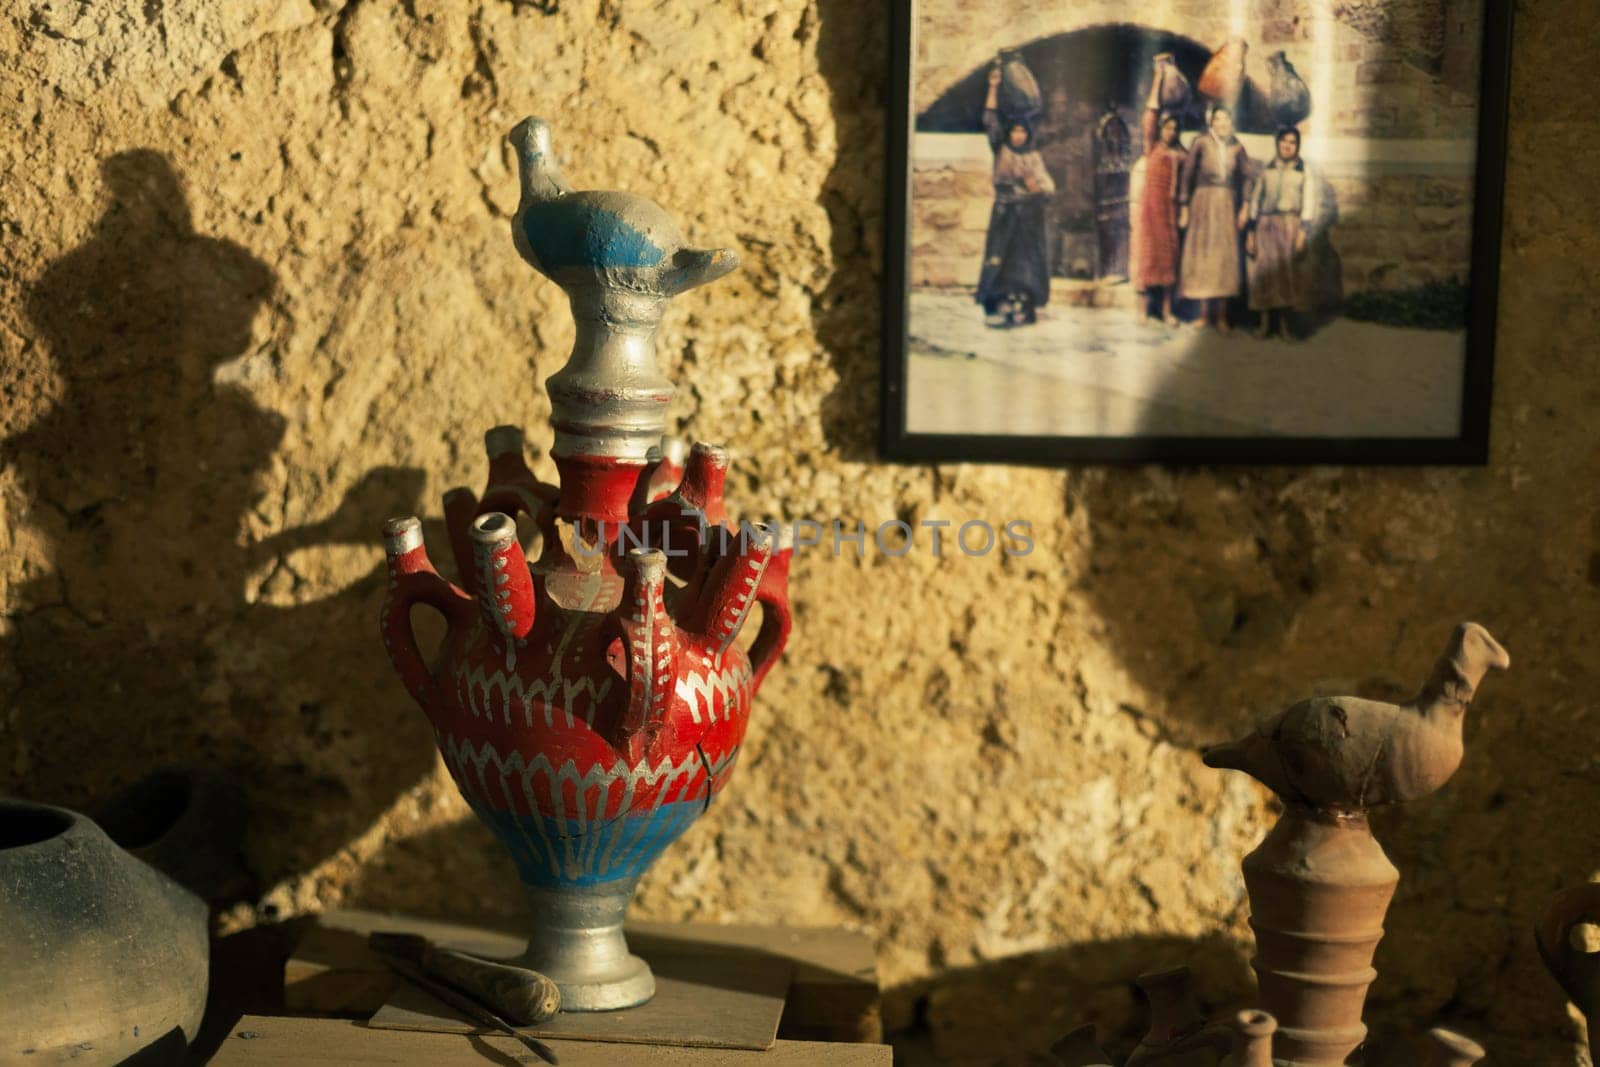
(852, 56)
(457, 871)
(141, 644)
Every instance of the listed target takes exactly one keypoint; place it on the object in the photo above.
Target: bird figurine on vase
(1319, 883)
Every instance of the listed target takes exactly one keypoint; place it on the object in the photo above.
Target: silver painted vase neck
(619, 258)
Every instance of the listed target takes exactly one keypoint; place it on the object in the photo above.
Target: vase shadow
(168, 627)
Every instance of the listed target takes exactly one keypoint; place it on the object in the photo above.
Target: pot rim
(66, 822)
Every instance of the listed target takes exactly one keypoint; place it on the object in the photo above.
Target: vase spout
(1252, 1039)
(731, 588)
(650, 642)
(503, 584)
(697, 266)
(704, 478)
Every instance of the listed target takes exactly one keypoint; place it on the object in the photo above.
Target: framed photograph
(1254, 232)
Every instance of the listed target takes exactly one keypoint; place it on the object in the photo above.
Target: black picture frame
(1469, 447)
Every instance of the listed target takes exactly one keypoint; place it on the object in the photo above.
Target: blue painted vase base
(554, 853)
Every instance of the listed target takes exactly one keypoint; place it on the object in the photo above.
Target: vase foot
(635, 985)
(577, 942)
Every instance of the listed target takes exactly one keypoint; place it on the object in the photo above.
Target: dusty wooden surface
(833, 995)
(286, 1040)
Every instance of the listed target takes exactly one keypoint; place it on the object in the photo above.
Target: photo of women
(1282, 211)
(1015, 280)
(1211, 212)
(1248, 225)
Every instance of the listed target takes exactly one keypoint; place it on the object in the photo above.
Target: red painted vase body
(595, 719)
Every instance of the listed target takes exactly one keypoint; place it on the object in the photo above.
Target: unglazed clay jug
(1319, 883)
(1079, 1049)
(1019, 97)
(1288, 98)
(1178, 1036)
(103, 956)
(1223, 77)
(1175, 1019)
(592, 706)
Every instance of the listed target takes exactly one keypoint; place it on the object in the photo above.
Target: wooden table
(833, 995)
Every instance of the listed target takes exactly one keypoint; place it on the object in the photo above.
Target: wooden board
(833, 997)
(282, 1042)
(703, 1000)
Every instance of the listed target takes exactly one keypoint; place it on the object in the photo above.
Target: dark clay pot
(1288, 98)
(1174, 91)
(1019, 95)
(105, 958)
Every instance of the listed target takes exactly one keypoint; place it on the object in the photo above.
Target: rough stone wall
(950, 207)
(1399, 231)
(258, 295)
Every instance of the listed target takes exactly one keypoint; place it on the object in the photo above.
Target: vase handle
(773, 595)
(412, 580)
(1577, 971)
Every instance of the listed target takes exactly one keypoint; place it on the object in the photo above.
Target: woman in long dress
(1283, 210)
(1210, 195)
(1155, 267)
(1015, 279)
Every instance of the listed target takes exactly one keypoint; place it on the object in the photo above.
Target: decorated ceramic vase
(592, 705)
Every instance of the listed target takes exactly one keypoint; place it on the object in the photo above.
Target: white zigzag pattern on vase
(699, 691)
(477, 685)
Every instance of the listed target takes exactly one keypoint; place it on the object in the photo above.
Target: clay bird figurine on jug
(591, 706)
(1319, 884)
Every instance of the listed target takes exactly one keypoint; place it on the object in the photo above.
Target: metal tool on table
(491, 994)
